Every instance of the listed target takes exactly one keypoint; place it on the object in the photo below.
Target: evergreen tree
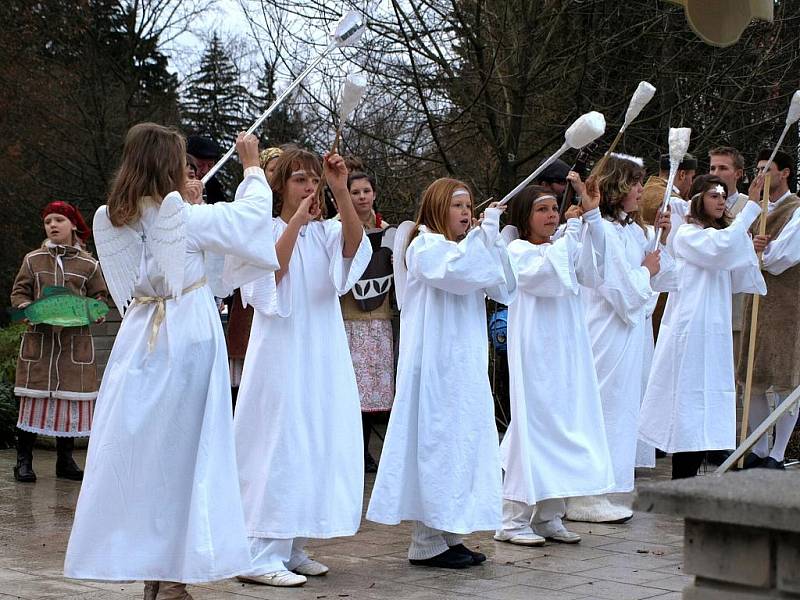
(284, 125)
(215, 100)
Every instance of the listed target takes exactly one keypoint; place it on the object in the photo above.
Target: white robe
(555, 446)
(441, 459)
(690, 404)
(160, 497)
(616, 314)
(298, 417)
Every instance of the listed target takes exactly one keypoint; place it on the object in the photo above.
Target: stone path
(641, 559)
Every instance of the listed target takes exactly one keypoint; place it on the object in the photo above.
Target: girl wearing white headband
(298, 420)
(555, 446)
(440, 466)
(690, 403)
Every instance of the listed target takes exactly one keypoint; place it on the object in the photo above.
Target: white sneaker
(556, 532)
(519, 539)
(276, 578)
(596, 509)
(311, 568)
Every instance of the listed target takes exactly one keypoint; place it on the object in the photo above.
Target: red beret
(73, 214)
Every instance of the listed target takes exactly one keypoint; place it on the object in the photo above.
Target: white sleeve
(626, 288)
(344, 272)
(784, 251)
(547, 270)
(240, 230)
(727, 249)
(475, 263)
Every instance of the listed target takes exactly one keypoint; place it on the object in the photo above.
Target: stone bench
(741, 534)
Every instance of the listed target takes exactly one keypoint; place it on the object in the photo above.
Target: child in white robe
(690, 402)
(440, 465)
(616, 312)
(298, 416)
(555, 446)
(160, 498)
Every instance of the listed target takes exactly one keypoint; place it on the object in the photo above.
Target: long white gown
(298, 417)
(441, 460)
(555, 446)
(690, 403)
(616, 313)
(160, 497)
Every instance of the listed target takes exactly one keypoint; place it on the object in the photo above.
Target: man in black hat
(554, 178)
(206, 153)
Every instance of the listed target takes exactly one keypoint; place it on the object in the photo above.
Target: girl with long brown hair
(440, 465)
(160, 498)
(690, 403)
(616, 313)
(297, 419)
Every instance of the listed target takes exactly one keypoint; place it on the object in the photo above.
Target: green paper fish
(58, 306)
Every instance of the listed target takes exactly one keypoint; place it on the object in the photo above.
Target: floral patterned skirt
(56, 416)
(372, 351)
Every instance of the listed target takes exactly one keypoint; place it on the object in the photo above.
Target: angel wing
(399, 260)
(509, 234)
(167, 241)
(120, 252)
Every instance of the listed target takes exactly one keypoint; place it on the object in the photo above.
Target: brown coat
(777, 358)
(240, 321)
(652, 198)
(57, 361)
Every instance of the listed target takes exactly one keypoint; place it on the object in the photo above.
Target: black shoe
(752, 461)
(771, 463)
(477, 557)
(717, 457)
(370, 466)
(66, 467)
(23, 472)
(449, 559)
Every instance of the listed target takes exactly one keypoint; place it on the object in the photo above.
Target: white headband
(719, 189)
(545, 197)
(303, 173)
(634, 159)
(460, 192)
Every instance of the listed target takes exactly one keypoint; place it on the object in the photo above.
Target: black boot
(66, 468)
(24, 469)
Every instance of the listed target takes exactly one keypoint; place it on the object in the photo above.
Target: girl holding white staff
(616, 316)
(160, 498)
(440, 465)
(555, 446)
(690, 402)
(297, 431)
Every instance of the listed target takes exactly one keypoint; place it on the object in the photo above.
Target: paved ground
(641, 559)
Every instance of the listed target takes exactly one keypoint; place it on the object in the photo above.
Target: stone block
(706, 590)
(788, 564)
(730, 553)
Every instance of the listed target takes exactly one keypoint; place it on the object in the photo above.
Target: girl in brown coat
(56, 379)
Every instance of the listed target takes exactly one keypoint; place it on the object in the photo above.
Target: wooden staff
(751, 346)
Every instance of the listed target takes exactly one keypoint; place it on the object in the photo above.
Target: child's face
(460, 216)
(363, 196)
(631, 201)
(270, 168)
(298, 186)
(714, 202)
(59, 229)
(543, 220)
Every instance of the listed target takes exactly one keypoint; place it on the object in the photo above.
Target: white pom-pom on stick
(586, 129)
(643, 94)
(347, 31)
(679, 138)
(354, 87)
(791, 118)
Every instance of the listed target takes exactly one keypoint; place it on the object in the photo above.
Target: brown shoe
(171, 590)
(150, 590)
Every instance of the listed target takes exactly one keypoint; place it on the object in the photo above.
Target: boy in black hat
(206, 152)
